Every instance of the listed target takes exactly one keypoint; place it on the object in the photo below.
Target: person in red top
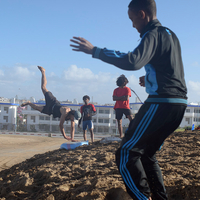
(87, 111)
(121, 96)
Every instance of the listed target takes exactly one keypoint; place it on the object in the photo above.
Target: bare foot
(25, 104)
(41, 68)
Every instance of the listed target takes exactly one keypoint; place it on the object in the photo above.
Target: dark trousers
(136, 158)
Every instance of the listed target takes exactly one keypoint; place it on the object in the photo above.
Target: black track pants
(136, 159)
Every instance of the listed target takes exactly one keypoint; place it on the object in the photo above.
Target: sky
(38, 33)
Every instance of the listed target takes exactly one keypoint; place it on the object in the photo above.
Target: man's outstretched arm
(82, 45)
(133, 60)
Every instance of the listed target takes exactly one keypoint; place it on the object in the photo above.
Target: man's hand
(83, 45)
(142, 81)
(67, 138)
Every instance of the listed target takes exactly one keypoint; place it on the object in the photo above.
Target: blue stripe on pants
(141, 128)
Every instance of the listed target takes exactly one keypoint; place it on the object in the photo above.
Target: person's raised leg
(44, 80)
(44, 90)
(34, 106)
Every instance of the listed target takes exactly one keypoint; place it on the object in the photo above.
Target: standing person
(54, 107)
(87, 111)
(121, 96)
(159, 52)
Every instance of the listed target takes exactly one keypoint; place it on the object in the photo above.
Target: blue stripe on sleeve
(115, 54)
(97, 52)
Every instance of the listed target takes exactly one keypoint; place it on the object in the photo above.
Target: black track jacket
(160, 53)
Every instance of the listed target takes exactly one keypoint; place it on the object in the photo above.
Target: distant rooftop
(74, 102)
(4, 100)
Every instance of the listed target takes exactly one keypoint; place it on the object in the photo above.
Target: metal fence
(47, 128)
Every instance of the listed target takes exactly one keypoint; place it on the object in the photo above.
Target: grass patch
(179, 130)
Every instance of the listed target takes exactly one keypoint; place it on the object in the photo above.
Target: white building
(8, 114)
(104, 121)
(191, 116)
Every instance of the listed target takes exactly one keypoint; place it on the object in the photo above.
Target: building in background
(191, 116)
(104, 121)
(8, 114)
(13, 117)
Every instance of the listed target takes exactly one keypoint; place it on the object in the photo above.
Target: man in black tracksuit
(160, 53)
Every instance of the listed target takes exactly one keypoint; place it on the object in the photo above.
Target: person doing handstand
(54, 107)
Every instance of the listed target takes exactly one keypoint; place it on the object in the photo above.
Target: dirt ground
(90, 172)
(15, 148)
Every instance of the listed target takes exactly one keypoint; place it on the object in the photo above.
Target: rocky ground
(90, 172)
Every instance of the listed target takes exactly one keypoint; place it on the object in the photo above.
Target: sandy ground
(14, 148)
(90, 172)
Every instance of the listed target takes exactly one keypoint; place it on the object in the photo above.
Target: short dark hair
(86, 97)
(121, 79)
(149, 6)
(74, 113)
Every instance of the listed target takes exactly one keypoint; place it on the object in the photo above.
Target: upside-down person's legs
(44, 90)
(34, 106)
(43, 80)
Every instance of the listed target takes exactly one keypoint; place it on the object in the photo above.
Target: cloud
(78, 82)
(79, 74)
(17, 74)
(74, 83)
(22, 73)
(193, 91)
(194, 86)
